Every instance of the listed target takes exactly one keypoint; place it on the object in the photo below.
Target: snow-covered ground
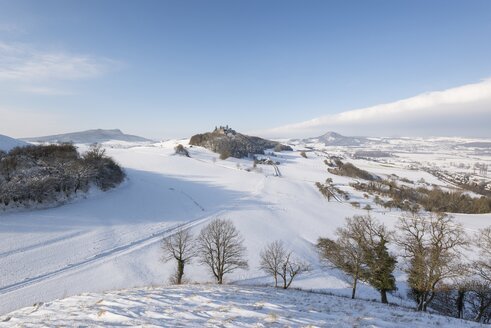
(219, 306)
(112, 240)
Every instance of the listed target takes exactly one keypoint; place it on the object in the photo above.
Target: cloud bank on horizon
(459, 111)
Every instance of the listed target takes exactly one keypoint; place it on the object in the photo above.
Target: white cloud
(464, 110)
(19, 62)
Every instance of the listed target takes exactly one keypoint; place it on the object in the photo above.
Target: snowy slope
(220, 306)
(7, 143)
(112, 240)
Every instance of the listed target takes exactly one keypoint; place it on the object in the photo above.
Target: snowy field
(109, 241)
(220, 306)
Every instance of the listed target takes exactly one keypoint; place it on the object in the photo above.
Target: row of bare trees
(220, 247)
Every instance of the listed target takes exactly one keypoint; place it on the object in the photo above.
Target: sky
(169, 69)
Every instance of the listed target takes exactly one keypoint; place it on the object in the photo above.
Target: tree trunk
(180, 271)
(420, 303)
(480, 314)
(383, 296)
(460, 304)
(427, 300)
(275, 280)
(355, 280)
(220, 279)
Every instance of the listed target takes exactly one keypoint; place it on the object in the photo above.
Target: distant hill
(89, 137)
(228, 142)
(7, 143)
(335, 139)
(477, 144)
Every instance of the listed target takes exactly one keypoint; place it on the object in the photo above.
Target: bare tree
(220, 247)
(290, 268)
(480, 287)
(482, 267)
(346, 253)
(432, 249)
(279, 262)
(271, 259)
(479, 299)
(179, 247)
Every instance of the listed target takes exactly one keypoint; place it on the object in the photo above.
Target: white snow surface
(112, 240)
(219, 306)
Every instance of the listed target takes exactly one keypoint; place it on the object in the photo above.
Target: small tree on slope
(381, 266)
(432, 248)
(361, 252)
(220, 247)
(345, 253)
(279, 262)
(179, 247)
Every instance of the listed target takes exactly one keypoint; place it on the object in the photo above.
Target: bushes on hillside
(349, 170)
(44, 174)
(433, 200)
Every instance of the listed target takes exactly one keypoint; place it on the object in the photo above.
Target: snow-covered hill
(113, 240)
(7, 143)
(335, 139)
(219, 306)
(89, 137)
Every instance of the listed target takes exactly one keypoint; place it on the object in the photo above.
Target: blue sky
(173, 68)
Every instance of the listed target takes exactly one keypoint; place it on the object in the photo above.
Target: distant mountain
(336, 139)
(89, 137)
(228, 142)
(7, 143)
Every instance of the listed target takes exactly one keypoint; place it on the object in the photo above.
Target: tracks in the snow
(102, 257)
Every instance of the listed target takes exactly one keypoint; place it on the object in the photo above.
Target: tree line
(220, 248)
(349, 170)
(430, 252)
(40, 174)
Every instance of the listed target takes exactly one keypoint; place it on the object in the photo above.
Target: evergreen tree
(381, 265)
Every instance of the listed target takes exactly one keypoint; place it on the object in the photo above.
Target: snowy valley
(113, 240)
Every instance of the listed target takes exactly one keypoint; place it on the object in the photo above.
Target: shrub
(279, 147)
(180, 150)
(46, 174)
(224, 154)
